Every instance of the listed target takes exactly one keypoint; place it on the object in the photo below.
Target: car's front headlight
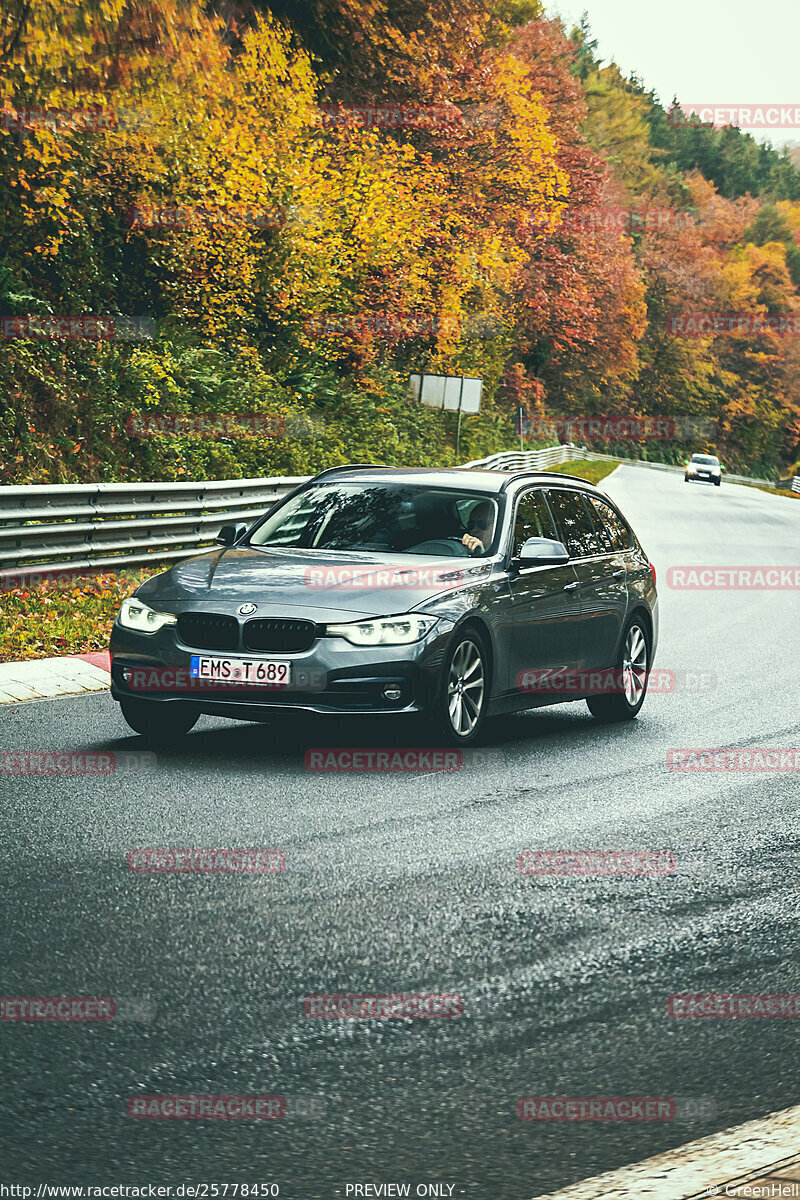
(135, 615)
(385, 631)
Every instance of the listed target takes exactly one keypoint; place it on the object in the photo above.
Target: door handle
(570, 587)
(620, 574)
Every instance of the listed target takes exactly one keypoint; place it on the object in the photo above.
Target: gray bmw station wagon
(462, 594)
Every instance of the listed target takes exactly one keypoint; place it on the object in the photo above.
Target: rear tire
(160, 723)
(464, 690)
(633, 667)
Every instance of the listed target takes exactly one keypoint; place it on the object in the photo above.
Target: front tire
(633, 668)
(464, 690)
(717, 482)
(159, 723)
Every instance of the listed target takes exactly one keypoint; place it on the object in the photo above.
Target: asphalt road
(410, 884)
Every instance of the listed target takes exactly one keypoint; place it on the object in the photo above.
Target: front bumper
(331, 677)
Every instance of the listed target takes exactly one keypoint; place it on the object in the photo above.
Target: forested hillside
(283, 210)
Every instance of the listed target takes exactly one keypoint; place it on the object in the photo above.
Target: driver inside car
(439, 527)
(480, 528)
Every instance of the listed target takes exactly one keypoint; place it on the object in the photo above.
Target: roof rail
(538, 474)
(350, 467)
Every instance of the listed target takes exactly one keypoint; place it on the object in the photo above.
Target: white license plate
(255, 671)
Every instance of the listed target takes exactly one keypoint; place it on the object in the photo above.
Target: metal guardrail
(526, 460)
(790, 484)
(89, 525)
(48, 528)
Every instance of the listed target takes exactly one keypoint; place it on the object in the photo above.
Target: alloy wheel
(634, 665)
(465, 688)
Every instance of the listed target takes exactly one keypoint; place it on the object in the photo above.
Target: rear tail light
(653, 572)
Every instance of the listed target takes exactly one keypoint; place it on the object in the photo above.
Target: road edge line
(731, 1157)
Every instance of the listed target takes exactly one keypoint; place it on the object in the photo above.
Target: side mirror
(722, 468)
(230, 534)
(542, 552)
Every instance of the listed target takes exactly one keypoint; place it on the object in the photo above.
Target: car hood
(351, 584)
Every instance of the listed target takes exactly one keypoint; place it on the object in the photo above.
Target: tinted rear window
(615, 529)
(576, 525)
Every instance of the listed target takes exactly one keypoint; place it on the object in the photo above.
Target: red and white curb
(760, 1158)
(43, 678)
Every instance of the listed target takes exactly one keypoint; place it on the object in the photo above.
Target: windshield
(707, 460)
(384, 518)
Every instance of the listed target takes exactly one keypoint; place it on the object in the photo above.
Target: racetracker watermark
(358, 1006)
(325, 578)
(35, 327)
(75, 762)
(410, 116)
(246, 861)
(396, 326)
(765, 758)
(734, 1004)
(612, 681)
(596, 862)
(17, 581)
(748, 116)
(57, 1008)
(185, 216)
(195, 1106)
(596, 1108)
(179, 679)
(135, 1008)
(711, 324)
(305, 1108)
(661, 681)
(734, 578)
(695, 1108)
(74, 120)
(616, 428)
(393, 760)
(627, 220)
(225, 425)
(608, 428)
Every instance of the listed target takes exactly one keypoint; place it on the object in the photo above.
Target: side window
(615, 527)
(602, 535)
(575, 523)
(533, 519)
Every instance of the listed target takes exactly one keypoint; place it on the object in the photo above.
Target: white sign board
(450, 392)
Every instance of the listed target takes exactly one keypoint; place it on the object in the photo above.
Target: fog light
(392, 692)
(126, 673)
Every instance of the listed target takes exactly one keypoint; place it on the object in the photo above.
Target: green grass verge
(771, 491)
(593, 472)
